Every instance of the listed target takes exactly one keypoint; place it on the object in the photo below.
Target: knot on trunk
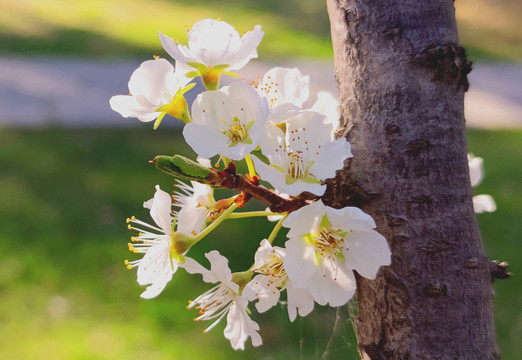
(448, 62)
(498, 271)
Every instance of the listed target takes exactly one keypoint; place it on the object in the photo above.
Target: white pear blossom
(326, 244)
(223, 300)
(481, 203)
(213, 42)
(197, 207)
(285, 91)
(214, 47)
(196, 204)
(272, 279)
(163, 245)
(227, 122)
(302, 156)
(156, 267)
(155, 89)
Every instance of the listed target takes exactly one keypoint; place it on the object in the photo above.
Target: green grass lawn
(293, 28)
(65, 293)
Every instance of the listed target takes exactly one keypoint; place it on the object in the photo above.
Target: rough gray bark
(401, 75)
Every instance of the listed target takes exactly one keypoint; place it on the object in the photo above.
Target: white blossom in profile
(223, 300)
(155, 89)
(165, 244)
(302, 156)
(214, 47)
(229, 122)
(325, 245)
(196, 204)
(481, 203)
(271, 279)
(154, 241)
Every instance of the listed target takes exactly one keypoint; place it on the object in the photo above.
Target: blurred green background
(295, 28)
(65, 193)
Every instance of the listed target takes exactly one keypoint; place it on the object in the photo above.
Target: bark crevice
(448, 62)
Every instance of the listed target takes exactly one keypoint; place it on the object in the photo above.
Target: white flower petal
(262, 288)
(328, 105)
(205, 141)
(128, 106)
(476, 172)
(299, 262)
(219, 267)
(148, 204)
(151, 80)
(156, 268)
(240, 326)
(172, 49)
(367, 252)
(248, 49)
(154, 290)
(299, 301)
(350, 218)
(283, 112)
(273, 218)
(160, 210)
(193, 267)
(334, 286)
(271, 142)
(331, 158)
(484, 203)
(213, 41)
(278, 180)
(266, 252)
(204, 162)
(305, 219)
(191, 220)
(284, 86)
(268, 173)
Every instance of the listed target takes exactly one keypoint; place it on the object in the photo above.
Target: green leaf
(190, 167)
(183, 168)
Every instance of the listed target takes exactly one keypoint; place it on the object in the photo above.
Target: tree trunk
(401, 76)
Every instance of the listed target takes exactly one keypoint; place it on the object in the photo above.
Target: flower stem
(247, 214)
(276, 229)
(250, 164)
(216, 222)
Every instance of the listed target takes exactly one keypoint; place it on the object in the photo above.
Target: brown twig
(229, 179)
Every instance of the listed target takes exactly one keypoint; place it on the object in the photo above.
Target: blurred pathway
(75, 93)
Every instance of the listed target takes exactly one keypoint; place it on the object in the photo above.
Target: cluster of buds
(284, 144)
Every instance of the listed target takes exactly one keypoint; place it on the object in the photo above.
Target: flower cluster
(288, 145)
